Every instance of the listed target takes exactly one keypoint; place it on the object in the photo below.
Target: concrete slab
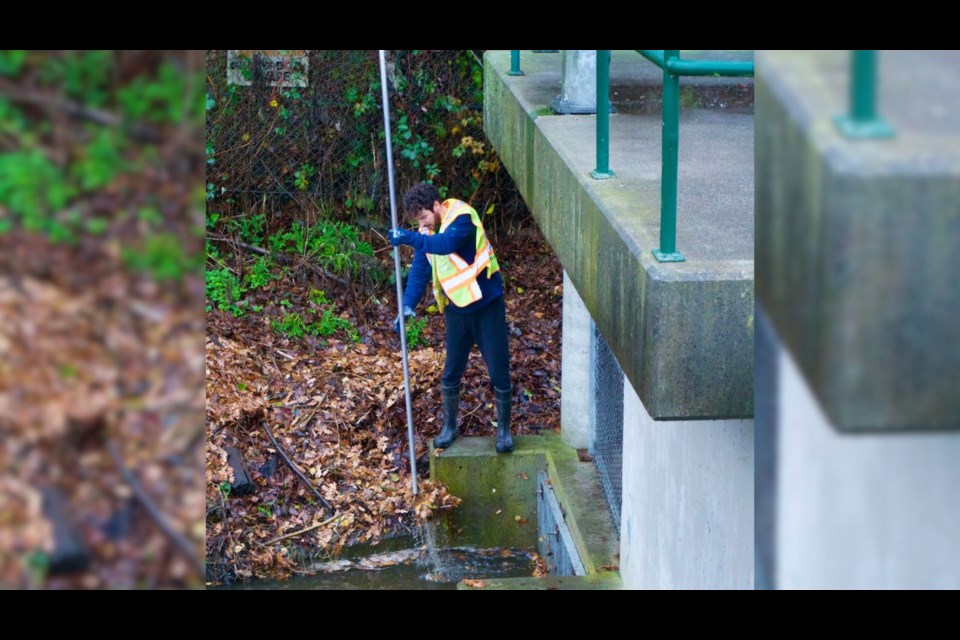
(858, 241)
(496, 489)
(472, 469)
(682, 332)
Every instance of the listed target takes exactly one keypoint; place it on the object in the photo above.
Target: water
(429, 533)
(424, 567)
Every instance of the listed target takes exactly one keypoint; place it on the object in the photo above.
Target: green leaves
(160, 99)
(414, 331)
(225, 290)
(33, 188)
(11, 61)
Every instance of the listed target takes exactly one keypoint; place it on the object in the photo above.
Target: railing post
(863, 120)
(603, 172)
(667, 252)
(515, 63)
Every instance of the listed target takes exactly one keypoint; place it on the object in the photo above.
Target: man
(452, 250)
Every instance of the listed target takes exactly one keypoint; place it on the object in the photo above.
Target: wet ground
(408, 569)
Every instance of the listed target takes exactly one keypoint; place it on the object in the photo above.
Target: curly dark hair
(420, 196)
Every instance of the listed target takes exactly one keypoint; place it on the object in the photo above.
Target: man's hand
(400, 236)
(407, 313)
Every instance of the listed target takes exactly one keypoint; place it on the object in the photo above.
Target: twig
(282, 259)
(360, 419)
(302, 531)
(139, 130)
(224, 265)
(296, 469)
(306, 422)
(323, 272)
(275, 367)
(154, 511)
(470, 413)
(279, 257)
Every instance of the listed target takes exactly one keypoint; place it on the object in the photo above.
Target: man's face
(428, 218)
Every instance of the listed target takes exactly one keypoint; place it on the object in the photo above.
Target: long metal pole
(396, 264)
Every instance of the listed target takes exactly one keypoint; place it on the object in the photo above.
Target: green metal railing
(603, 172)
(515, 63)
(863, 121)
(673, 67)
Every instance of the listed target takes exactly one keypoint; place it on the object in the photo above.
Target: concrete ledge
(495, 489)
(682, 332)
(472, 468)
(858, 241)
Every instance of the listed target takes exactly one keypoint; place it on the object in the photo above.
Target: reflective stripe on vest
(451, 273)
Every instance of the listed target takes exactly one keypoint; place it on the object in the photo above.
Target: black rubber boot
(451, 407)
(504, 439)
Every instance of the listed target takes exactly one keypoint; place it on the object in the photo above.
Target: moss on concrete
(488, 482)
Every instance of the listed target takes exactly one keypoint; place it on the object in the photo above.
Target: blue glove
(400, 236)
(407, 313)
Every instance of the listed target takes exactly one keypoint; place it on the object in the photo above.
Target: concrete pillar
(857, 511)
(578, 83)
(687, 520)
(576, 369)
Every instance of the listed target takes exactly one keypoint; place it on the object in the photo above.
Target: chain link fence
(608, 424)
(303, 129)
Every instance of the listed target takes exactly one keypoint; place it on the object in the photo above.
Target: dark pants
(487, 328)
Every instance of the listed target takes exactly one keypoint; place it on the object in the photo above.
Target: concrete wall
(862, 511)
(687, 520)
(576, 369)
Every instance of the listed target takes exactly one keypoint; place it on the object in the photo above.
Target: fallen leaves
(95, 356)
(340, 413)
(540, 568)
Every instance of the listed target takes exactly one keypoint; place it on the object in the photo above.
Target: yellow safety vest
(453, 278)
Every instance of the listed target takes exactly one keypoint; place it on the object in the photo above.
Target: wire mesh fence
(608, 424)
(305, 128)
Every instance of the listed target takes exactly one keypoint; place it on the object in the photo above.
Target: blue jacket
(459, 238)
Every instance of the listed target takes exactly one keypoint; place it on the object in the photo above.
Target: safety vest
(453, 278)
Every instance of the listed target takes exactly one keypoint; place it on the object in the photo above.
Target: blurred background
(101, 324)
(857, 338)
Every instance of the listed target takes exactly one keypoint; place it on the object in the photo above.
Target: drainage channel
(555, 542)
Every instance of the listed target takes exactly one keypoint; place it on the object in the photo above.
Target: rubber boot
(504, 439)
(451, 407)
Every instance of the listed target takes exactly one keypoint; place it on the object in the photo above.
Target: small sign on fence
(282, 68)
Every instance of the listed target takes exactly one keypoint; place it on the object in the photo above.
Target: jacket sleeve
(453, 237)
(418, 277)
